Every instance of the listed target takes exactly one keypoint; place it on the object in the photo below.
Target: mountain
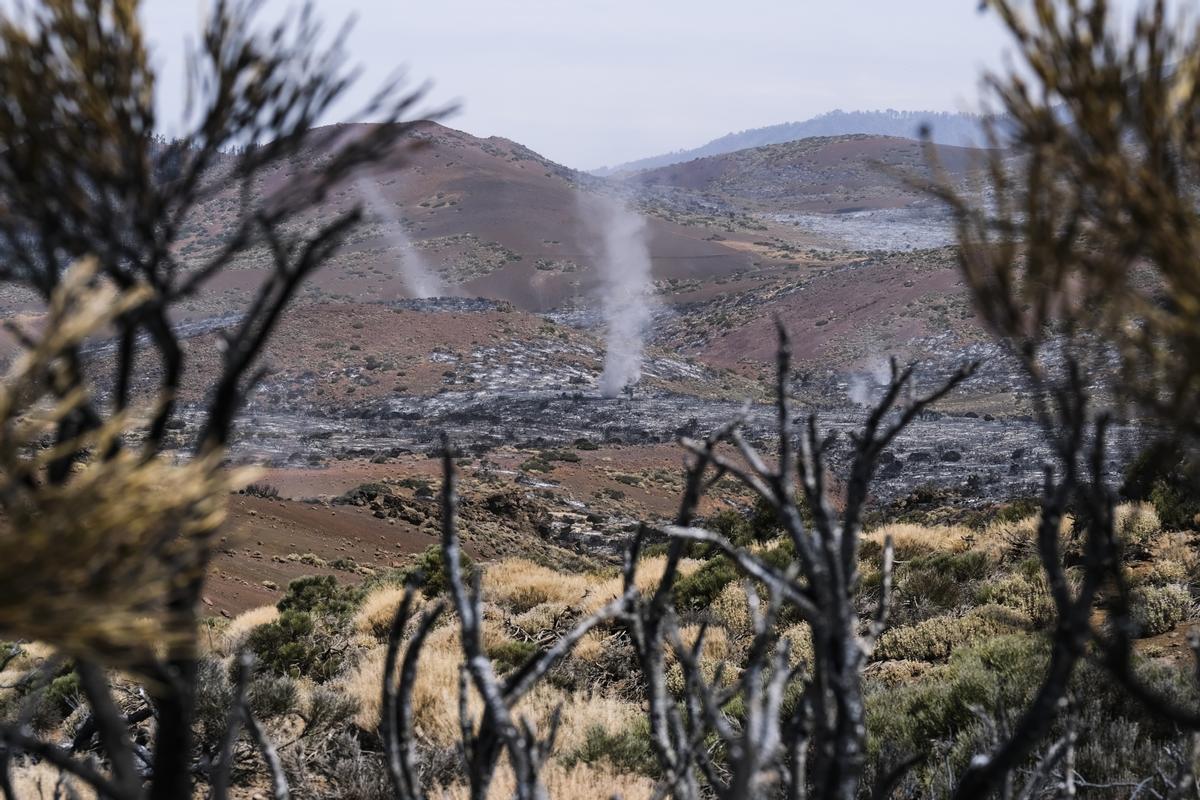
(486, 216)
(838, 174)
(963, 130)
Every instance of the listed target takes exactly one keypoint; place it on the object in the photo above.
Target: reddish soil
(261, 534)
(840, 314)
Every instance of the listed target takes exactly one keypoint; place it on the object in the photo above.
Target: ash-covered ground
(535, 395)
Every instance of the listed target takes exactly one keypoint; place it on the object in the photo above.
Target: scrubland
(966, 646)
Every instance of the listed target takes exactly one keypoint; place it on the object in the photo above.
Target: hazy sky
(596, 82)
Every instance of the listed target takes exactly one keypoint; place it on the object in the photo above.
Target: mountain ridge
(945, 127)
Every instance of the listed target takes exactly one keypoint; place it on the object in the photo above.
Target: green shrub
(628, 750)
(1031, 597)
(509, 655)
(936, 638)
(586, 444)
(57, 701)
(732, 525)
(321, 595)
(427, 572)
(273, 695)
(294, 645)
(1158, 609)
(701, 588)
(934, 713)
(536, 464)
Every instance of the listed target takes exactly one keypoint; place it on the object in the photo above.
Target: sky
(590, 83)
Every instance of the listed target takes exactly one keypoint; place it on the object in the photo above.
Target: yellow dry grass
(915, 540)
(521, 585)
(378, 609)
(580, 782)
(233, 638)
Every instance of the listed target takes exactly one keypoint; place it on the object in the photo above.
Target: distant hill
(488, 217)
(962, 130)
(854, 172)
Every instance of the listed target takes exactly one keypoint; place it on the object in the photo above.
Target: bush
(329, 710)
(214, 696)
(1166, 476)
(732, 525)
(628, 750)
(933, 713)
(536, 464)
(427, 572)
(701, 588)
(1030, 596)
(264, 490)
(273, 696)
(57, 701)
(293, 645)
(1158, 609)
(935, 639)
(510, 654)
(939, 578)
(320, 595)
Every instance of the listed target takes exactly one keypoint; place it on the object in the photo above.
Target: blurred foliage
(1091, 222)
(89, 563)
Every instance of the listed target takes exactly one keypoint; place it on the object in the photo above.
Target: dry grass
(235, 634)
(916, 540)
(1015, 540)
(521, 585)
(580, 782)
(374, 617)
(43, 782)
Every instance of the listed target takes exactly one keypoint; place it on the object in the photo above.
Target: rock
(272, 585)
(892, 469)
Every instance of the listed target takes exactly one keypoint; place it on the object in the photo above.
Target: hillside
(823, 174)
(488, 217)
(961, 130)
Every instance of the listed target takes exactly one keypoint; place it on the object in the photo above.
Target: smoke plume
(865, 385)
(420, 281)
(623, 263)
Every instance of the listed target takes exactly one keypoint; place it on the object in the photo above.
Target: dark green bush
(57, 701)
(699, 589)
(294, 645)
(427, 572)
(320, 595)
(1166, 475)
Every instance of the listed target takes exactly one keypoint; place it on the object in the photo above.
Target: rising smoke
(865, 385)
(420, 281)
(623, 263)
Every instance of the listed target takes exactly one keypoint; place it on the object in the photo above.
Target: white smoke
(623, 263)
(865, 385)
(419, 279)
